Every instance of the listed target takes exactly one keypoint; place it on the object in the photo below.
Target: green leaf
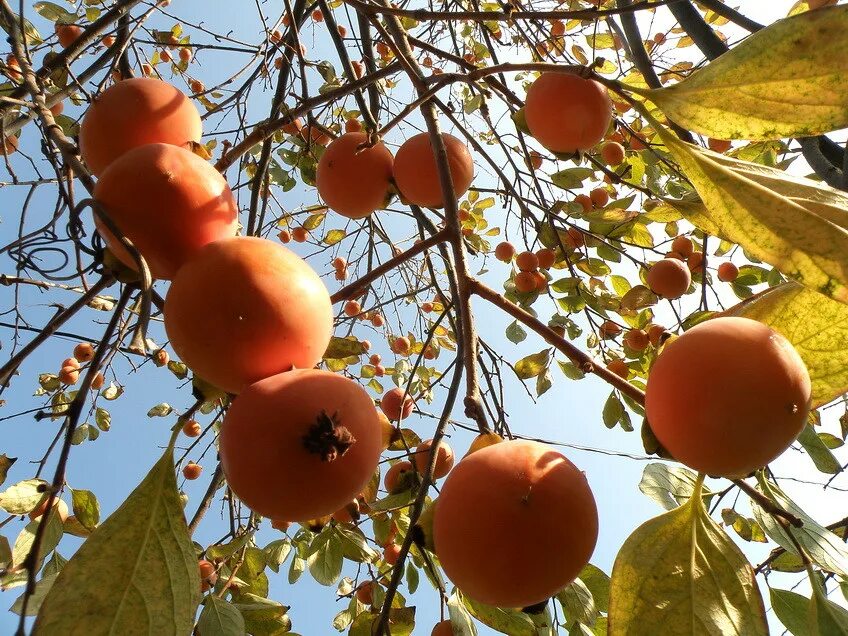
(143, 555)
(276, 553)
(571, 371)
(505, 621)
(220, 618)
(826, 617)
(667, 484)
(791, 609)
(5, 464)
(460, 618)
(818, 452)
(787, 80)
(325, 557)
(340, 348)
(86, 508)
(680, 570)
(21, 498)
(571, 178)
(54, 12)
(815, 325)
(613, 410)
(822, 546)
(578, 604)
(598, 583)
(532, 365)
(52, 535)
(262, 615)
(42, 587)
(515, 333)
(30, 33)
(795, 224)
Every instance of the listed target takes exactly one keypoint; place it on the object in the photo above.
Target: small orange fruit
(669, 278)
(416, 173)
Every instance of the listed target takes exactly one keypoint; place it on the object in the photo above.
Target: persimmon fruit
(192, 428)
(637, 339)
(208, 575)
(353, 178)
(59, 506)
(416, 173)
(166, 200)
(300, 445)
(397, 404)
(669, 278)
(391, 553)
(396, 478)
(192, 471)
(132, 113)
(619, 367)
(84, 351)
(444, 458)
(364, 592)
(599, 197)
(585, 202)
(245, 308)
(525, 282)
(546, 258)
(609, 330)
(490, 493)
(728, 396)
(442, 628)
(67, 34)
(97, 381)
(566, 113)
(655, 332)
(527, 261)
(504, 251)
(719, 145)
(612, 153)
(727, 272)
(683, 245)
(695, 261)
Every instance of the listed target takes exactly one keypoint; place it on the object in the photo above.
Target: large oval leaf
(815, 325)
(787, 80)
(682, 572)
(795, 224)
(136, 573)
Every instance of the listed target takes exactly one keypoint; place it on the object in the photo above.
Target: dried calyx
(328, 438)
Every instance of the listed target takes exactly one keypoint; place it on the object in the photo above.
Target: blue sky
(113, 464)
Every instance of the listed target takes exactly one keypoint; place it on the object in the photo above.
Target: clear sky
(113, 464)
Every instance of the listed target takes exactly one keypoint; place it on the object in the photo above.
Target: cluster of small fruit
(70, 371)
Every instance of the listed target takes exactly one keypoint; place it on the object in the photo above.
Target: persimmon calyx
(328, 438)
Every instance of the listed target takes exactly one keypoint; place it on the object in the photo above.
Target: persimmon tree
(604, 180)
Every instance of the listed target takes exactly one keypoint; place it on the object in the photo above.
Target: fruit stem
(328, 438)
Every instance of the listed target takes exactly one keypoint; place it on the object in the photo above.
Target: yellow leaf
(136, 573)
(795, 224)
(787, 80)
(682, 572)
(815, 325)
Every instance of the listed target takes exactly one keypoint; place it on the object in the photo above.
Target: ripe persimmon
(527, 261)
(719, 145)
(391, 553)
(728, 396)
(348, 513)
(192, 428)
(525, 282)
(97, 381)
(353, 178)
(443, 628)
(352, 308)
(695, 261)
(444, 458)
(504, 251)
(566, 113)
(397, 404)
(59, 506)
(67, 34)
(68, 375)
(727, 272)
(585, 202)
(396, 478)
(400, 345)
(609, 330)
(192, 471)
(612, 153)
(416, 173)
(655, 332)
(683, 245)
(169, 202)
(84, 351)
(637, 339)
(245, 308)
(208, 576)
(133, 113)
(669, 278)
(619, 367)
(282, 526)
(490, 493)
(161, 358)
(599, 197)
(301, 444)
(364, 591)
(546, 258)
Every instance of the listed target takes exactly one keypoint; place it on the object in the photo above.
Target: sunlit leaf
(681, 570)
(791, 609)
(142, 554)
(815, 325)
(532, 365)
(795, 224)
(505, 621)
(220, 618)
(23, 496)
(786, 80)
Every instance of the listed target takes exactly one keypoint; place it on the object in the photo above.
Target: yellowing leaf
(787, 80)
(682, 572)
(137, 573)
(795, 224)
(23, 496)
(815, 325)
